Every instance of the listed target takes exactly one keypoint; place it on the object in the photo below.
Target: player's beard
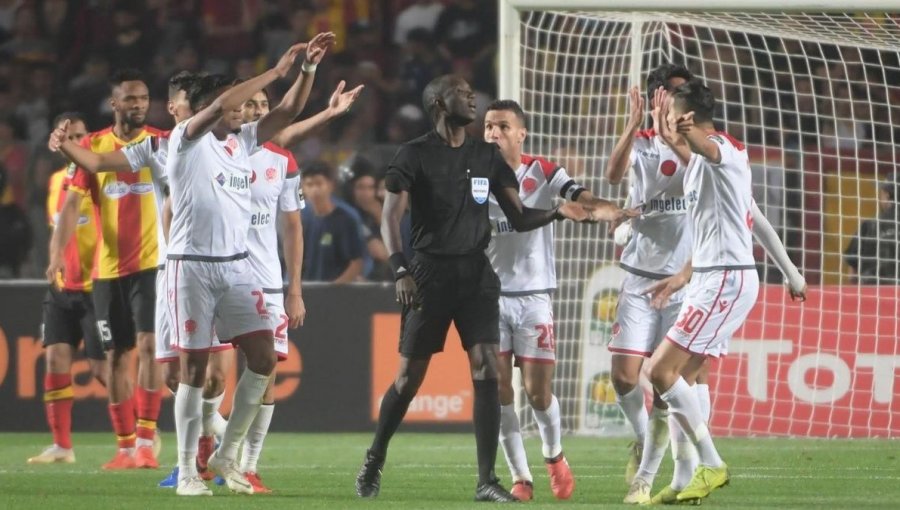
(136, 120)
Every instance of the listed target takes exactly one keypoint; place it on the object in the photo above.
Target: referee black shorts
(463, 290)
(124, 307)
(68, 316)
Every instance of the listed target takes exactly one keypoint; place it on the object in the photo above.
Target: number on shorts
(546, 339)
(281, 329)
(260, 302)
(105, 332)
(690, 319)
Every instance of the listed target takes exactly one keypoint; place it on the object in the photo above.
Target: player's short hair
(697, 98)
(120, 76)
(181, 80)
(317, 167)
(660, 77)
(205, 89)
(72, 117)
(508, 105)
(437, 88)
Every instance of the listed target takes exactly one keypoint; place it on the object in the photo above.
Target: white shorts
(165, 350)
(716, 305)
(526, 328)
(209, 298)
(639, 328)
(279, 321)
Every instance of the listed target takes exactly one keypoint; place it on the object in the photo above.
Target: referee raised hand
(445, 178)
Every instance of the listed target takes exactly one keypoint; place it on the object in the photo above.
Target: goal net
(816, 99)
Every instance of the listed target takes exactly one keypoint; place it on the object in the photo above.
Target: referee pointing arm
(446, 177)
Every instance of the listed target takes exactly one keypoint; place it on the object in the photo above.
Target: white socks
(253, 443)
(187, 428)
(632, 404)
(683, 453)
(211, 425)
(704, 401)
(511, 441)
(247, 400)
(655, 444)
(684, 405)
(549, 428)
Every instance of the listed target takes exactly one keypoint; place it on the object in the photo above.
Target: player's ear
(523, 133)
(170, 107)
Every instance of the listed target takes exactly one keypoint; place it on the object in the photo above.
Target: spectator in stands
(361, 192)
(228, 31)
(14, 160)
(422, 63)
(34, 105)
(131, 46)
(332, 247)
(15, 233)
(873, 253)
(26, 42)
(422, 14)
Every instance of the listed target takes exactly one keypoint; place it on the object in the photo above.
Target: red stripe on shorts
(712, 309)
(733, 301)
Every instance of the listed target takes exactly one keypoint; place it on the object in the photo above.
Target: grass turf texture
(313, 471)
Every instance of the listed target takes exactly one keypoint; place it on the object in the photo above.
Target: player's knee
(483, 362)
(146, 346)
(662, 376)
(507, 394)
(172, 375)
(262, 363)
(215, 384)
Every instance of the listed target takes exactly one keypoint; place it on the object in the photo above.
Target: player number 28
(546, 338)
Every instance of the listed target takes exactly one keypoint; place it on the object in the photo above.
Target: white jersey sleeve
(564, 186)
(721, 196)
(151, 153)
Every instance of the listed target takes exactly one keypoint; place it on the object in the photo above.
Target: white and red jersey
(151, 153)
(526, 261)
(721, 198)
(661, 243)
(209, 182)
(274, 186)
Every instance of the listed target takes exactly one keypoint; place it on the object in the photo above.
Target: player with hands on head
(446, 178)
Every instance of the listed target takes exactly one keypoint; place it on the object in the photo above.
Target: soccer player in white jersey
(275, 192)
(721, 294)
(659, 247)
(525, 264)
(208, 276)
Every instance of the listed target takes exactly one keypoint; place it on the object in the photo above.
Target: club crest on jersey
(271, 174)
(481, 186)
(668, 168)
(231, 146)
(116, 189)
(529, 184)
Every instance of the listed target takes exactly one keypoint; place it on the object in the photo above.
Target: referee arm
(391, 214)
(524, 218)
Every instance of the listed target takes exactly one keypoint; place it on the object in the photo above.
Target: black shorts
(124, 307)
(464, 290)
(68, 317)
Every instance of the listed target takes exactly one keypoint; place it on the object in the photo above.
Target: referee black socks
(487, 427)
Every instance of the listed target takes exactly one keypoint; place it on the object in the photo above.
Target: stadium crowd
(57, 55)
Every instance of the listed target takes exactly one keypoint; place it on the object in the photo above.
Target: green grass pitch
(313, 471)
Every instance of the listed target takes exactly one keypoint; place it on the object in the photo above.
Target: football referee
(446, 177)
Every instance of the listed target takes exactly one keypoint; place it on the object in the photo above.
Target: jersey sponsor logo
(668, 168)
(692, 196)
(232, 182)
(141, 188)
(666, 205)
(480, 188)
(271, 174)
(503, 227)
(116, 190)
(70, 170)
(529, 184)
(260, 219)
(82, 219)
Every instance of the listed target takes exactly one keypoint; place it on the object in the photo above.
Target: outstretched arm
(85, 158)
(235, 96)
(620, 158)
(769, 240)
(295, 99)
(524, 218)
(338, 105)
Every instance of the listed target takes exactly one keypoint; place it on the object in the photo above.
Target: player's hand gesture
(295, 309)
(659, 97)
(54, 268)
(636, 115)
(286, 62)
(797, 290)
(341, 101)
(575, 211)
(58, 136)
(407, 291)
(663, 121)
(662, 290)
(684, 123)
(318, 45)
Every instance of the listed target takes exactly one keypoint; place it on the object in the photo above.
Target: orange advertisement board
(446, 393)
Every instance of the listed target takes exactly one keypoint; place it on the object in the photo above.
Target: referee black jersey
(448, 191)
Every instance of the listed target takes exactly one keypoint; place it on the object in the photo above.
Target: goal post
(814, 93)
